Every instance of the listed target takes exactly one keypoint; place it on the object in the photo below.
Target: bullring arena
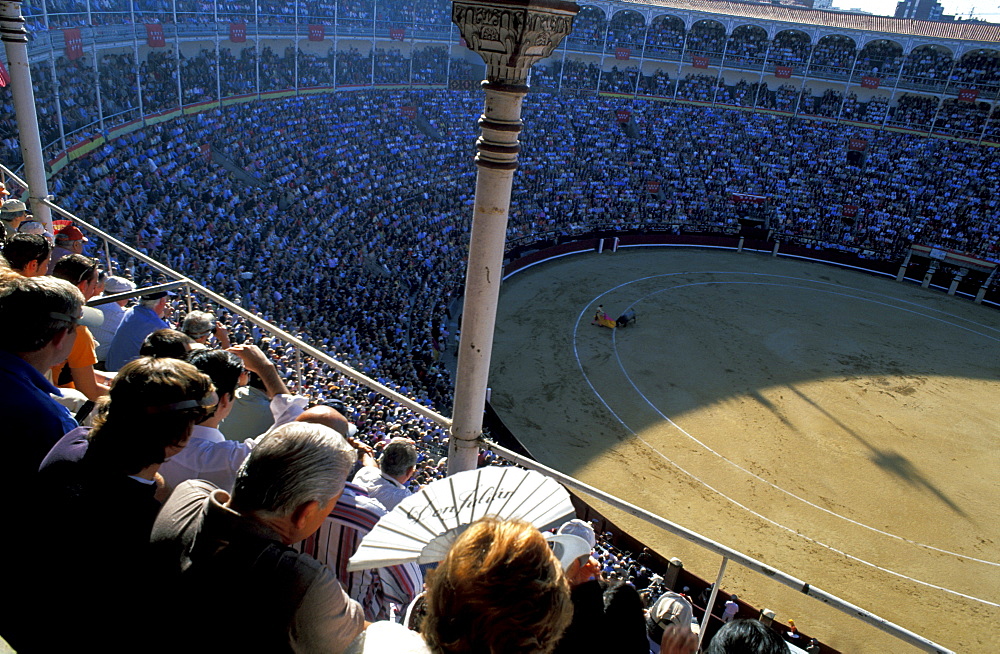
(312, 163)
(841, 427)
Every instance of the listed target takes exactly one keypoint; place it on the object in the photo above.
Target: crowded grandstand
(310, 164)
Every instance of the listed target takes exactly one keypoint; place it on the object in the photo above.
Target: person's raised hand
(253, 358)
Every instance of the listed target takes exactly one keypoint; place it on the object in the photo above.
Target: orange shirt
(81, 356)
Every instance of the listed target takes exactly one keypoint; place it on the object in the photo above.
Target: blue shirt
(32, 422)
(138, 323)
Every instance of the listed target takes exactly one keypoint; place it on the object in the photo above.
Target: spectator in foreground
(139, 322)
(104, 483)
(606, 615)
(12, 214)
(201, 325)
(168, 343)
(746, 637)
(209, 455)
(27, 254)
(382, 592)
(210, 543)
(671, 609)
(113, 312)
(38, 319)
(77, 371)
(499, 589)
(386, 483)
(69, 240)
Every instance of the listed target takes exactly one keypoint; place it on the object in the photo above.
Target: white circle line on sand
(580, 319)
(621, 367)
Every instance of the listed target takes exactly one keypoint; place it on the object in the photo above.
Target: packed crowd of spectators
(94, 99)
(747, 45)
(294, 237)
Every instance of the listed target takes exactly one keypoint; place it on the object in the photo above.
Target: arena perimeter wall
(525, 256)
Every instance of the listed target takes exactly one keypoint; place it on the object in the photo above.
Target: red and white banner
(74, 44)
(317, 32)
(623, 115)
(4, 77)
(206, 151)
(154, 35)
(858, 145)
(700, 62)
(408, 111)
(238, 32)
(653, 186)
(748, 198)
(968, 95)
(850, 210)
(623, 54)
(784, 72)
(397, 33)
(870, 82)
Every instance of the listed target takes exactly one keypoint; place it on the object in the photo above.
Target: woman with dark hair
(92, 509)
(746, 637)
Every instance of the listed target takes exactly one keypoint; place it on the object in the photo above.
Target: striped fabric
(338, 538)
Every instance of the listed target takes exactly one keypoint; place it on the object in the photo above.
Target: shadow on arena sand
(836, 425)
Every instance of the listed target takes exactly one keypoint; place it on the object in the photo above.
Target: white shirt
(209, 456)
(386, 490)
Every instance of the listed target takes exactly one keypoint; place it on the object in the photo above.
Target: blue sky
(985, 9)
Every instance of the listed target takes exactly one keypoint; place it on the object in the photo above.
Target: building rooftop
(964, 31)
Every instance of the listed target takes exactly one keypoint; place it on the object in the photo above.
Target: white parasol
(422, 527)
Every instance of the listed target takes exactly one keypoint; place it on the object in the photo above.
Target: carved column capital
(511, 35)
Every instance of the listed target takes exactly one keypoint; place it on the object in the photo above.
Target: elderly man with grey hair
(201, 325)
(208, 543)
(386, 483)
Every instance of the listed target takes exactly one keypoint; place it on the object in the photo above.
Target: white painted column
(510, 38)
(15, 40)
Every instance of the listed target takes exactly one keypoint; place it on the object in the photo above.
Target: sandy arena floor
(838, 426)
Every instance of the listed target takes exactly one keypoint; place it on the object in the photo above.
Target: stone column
(957, 279)
(15, 40)
(930, 273)
(510, 36)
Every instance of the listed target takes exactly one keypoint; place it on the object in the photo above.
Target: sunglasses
(88, 271)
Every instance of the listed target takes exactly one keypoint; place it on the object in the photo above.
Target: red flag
(74, 44)
(850, 210)
(783, 72)
(397, 33)
(408, 111)
(206, 151)
(747, 198)
(4, 77)
(870, 82)
(154, 35)
(623, 115)
(858, 145)
(317, 32)
(700, 62)
(653, 186)
(238, 32)
(623, 54)
(968, 95)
